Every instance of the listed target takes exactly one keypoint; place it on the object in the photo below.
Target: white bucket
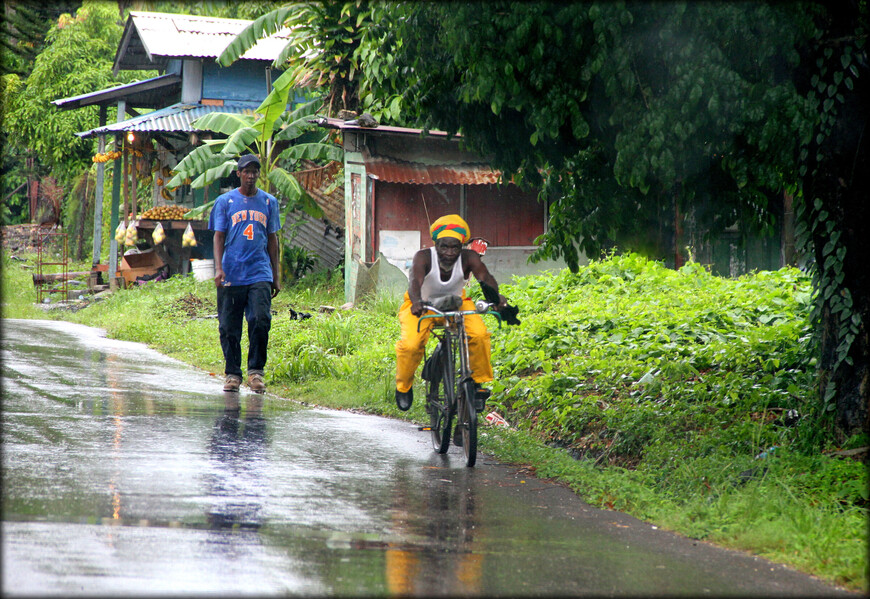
(203, 270)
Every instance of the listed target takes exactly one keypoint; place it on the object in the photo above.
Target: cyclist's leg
(478, 348)
(410, 346)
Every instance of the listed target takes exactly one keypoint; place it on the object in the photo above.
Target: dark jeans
(255, 303)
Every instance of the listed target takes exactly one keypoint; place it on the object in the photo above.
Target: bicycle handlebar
(440, 314)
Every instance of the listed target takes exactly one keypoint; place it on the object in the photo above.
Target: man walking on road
(245, 222)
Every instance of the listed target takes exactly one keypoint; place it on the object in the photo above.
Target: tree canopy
(630, 115)
(77, 59)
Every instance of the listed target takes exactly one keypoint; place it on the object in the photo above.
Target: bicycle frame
(458, 386)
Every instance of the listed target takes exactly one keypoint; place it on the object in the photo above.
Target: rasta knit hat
(451, 225)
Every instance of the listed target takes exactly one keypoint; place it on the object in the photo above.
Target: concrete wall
(504, 263)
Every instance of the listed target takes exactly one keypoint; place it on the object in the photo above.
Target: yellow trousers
(411, 345)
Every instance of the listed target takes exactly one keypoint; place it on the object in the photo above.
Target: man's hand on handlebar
(417, 309)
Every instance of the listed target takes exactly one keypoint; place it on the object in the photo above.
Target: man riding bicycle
(442, 270)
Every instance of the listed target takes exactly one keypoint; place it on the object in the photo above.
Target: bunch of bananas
(113, 155)
(165, 212)
(107, 156)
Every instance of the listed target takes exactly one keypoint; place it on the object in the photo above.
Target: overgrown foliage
(666, 394)
(259, 134)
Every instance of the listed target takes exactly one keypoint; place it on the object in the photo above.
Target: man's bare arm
(218, 249)
(420, 266)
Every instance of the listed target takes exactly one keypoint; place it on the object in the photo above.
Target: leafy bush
(627, 354)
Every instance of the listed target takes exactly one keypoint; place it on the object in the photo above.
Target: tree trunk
(842, 185)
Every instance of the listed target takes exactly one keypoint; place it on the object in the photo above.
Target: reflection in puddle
(236, 485)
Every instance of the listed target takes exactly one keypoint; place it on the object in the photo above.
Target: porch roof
(178, 117)
(150, 93)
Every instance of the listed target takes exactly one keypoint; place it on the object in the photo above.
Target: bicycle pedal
(424, 428)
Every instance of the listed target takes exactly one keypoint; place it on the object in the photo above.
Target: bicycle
(451, 391)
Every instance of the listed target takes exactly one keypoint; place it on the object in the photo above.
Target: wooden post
(98, 193)
(116, 190)
(125, 174)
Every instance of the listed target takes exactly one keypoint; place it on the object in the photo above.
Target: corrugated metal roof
(334, 123)
(150, 38)
(396, 171)
(177, 117)
(436, 169)
(150, 93)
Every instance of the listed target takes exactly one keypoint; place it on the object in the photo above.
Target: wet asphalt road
(128, 473)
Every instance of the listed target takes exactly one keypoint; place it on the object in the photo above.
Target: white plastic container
(203, 270)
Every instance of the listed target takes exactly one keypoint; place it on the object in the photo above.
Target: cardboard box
(136, 265)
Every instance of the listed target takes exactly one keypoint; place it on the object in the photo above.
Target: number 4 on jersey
(249, 232)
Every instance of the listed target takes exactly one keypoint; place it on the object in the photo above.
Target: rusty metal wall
(504, 215)
(403, 207)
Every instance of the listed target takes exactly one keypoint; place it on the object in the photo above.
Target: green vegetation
(661, 393)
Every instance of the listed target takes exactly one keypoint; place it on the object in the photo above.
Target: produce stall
(172, 250)
(167, 239)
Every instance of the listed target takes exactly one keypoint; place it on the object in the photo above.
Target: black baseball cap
(246, 160)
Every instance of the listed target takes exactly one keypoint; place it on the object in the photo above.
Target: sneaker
(232, 382)
(404, 400)
(255, 382)
(480, 397)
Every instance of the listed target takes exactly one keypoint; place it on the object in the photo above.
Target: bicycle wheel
(440, 417)
(467, 420)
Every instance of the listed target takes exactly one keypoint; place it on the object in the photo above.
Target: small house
(398, 181)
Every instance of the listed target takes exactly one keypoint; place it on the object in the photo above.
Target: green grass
(647, 390)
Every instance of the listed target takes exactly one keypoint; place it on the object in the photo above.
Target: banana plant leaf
(273, 107)
(238, 142)
(213, 174)
(200, 211)
(224, 122)
(297, 122)
(198, 161)
(289, 187)
(246, 39)
(313, 151)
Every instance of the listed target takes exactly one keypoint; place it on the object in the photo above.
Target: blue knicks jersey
(247, 223)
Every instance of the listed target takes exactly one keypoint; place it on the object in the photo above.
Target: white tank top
(434, 287)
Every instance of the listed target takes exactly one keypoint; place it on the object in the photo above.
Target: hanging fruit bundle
(130, 235)
(158, 235)
(112, 155)
(188, 239)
